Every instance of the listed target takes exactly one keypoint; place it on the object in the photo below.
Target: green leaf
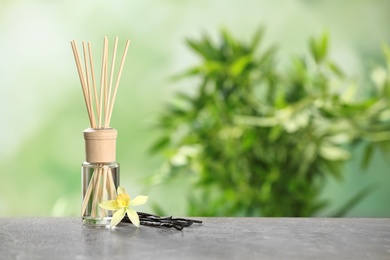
(275, 133)
(228, 40)
(319, 48)
(159, 144)
(184, 97)
(324, 45)
(212, 67)
(195, 71)
(367, 156)
(386, 52)
(333, 168)
(158, 210)
(267, 56)
(204, 48)
(352, 202)
(240, 65)
(383, 136)
(333, 153)
(335, 69)
(256, 40)
(256, 121)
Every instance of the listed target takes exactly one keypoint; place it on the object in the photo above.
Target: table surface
(216, 238)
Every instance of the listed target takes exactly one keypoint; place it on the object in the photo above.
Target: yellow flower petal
(138, 200)
(109, 205)
(117, 217)
(121, 190)
(133, 216)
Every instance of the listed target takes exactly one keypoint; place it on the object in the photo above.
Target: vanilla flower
(122, 205)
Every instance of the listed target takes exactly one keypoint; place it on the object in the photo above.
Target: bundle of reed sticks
(102, 102)
(99, 103)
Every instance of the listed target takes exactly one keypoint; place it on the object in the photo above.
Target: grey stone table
(216, 238)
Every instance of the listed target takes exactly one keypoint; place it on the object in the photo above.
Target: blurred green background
(43, 113)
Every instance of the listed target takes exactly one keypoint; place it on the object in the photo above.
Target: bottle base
(97, 221)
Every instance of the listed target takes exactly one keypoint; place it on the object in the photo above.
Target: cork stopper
(100, 145)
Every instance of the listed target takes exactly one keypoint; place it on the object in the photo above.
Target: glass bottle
(100, 174)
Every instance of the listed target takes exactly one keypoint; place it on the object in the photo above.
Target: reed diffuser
(100, 171)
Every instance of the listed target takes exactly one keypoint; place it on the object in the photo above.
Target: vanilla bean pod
(151, 220)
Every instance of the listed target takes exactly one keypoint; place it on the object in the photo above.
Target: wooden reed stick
(81, 76)
(88, 86)
(96, 196)
(93, 80)
(106, 122)
(118, 79)
(88, 193)
(106, 82)
(102, 192)
(112, 189)
(102, 80)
